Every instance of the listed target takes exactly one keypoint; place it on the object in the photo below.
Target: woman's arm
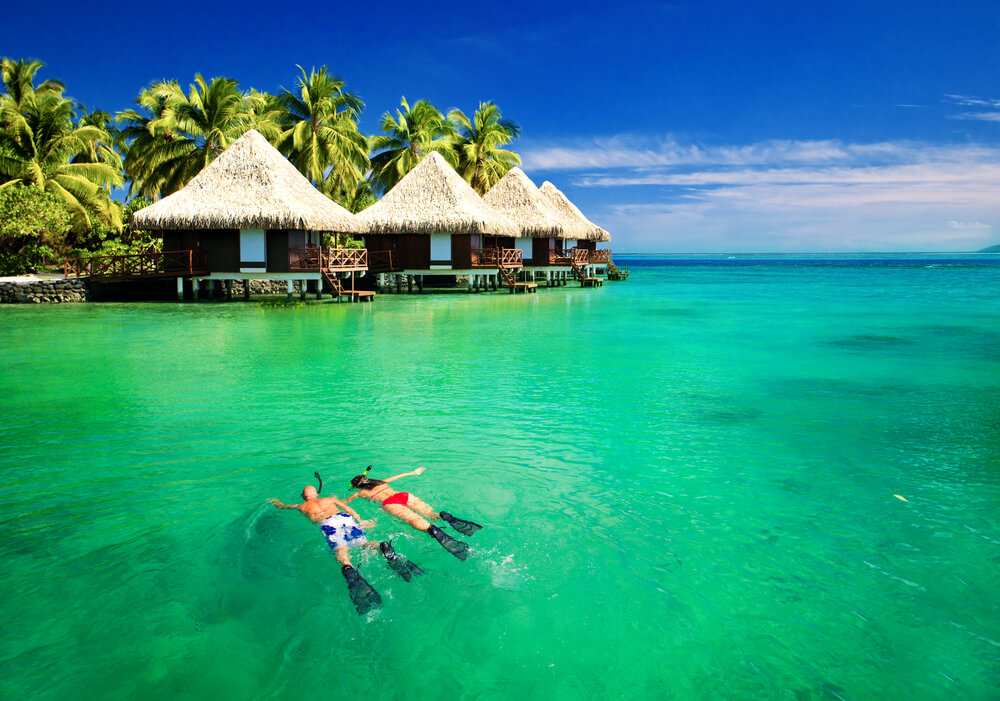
(418, 471)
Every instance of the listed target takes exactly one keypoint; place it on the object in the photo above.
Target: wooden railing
(601, 255)
(381, 262)
(316, 258)
(497, 257)
(579, 256)
(511, 258)
(139, 265)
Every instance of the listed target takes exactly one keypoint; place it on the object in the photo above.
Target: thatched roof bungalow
(541, 225)
(576, 225)
(433, 221)
(246, 211)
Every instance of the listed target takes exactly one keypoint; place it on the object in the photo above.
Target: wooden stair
(511, 280)
(580, 271)
(332, 282)
(616, 272)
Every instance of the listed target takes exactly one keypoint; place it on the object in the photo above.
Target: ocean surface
(690, 485)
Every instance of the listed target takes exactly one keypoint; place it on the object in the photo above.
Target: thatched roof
(517, 198)
(432, 198)
(575, 224)
(249, 186)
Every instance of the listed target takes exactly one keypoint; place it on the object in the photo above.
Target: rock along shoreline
(28, 289)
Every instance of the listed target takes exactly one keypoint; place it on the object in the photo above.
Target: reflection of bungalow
(250, 215)
(433, 223)
(581, 234)
(541, 229)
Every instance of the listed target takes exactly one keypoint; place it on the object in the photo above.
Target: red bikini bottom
(400, 498)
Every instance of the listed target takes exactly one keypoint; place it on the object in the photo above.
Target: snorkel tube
(363, 475)
(320, 482)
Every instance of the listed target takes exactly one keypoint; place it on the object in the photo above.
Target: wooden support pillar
(420, 284)
(471, 280)
(302, 290)
(409, 284)
(229, 290)
(180, 289)
(495, 277)
(291, 288)
(195, 288)
(246, 290)
(399, 284)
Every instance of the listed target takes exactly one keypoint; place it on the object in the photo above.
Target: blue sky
(680, 127)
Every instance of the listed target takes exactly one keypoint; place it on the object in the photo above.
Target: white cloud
(635, 152)
(783, 194)
(980, 116)
(966, 101)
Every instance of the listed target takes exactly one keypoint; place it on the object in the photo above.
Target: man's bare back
(317, 508)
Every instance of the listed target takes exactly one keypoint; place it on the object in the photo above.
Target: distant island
(991, 249)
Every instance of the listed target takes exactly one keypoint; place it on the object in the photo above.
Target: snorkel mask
(360, 478)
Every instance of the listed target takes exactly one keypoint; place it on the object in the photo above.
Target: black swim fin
(455, 547)
(399, 564)
(463, 527)
(365, 598)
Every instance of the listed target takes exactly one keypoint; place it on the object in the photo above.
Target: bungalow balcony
(508, 258)
(153, 264)
(335, 260)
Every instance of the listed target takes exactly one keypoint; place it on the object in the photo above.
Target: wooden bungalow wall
(410, 251)
(222, 247)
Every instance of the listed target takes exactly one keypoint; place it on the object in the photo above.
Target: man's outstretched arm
(280, 505)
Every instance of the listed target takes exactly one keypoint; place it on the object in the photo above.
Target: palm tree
(481, 161)
(173, 136)
(321, 134)
(406, 139)
(265, 114)
(101, 151)
(41, 146)
(19, 79)
(38, 147)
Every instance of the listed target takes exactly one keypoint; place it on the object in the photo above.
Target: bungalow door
(253, 251)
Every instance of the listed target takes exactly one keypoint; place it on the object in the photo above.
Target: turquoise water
(687, 484)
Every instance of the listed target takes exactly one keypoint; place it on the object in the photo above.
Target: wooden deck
(139, 266)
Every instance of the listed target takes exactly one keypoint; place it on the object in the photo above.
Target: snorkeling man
(340, 526)
(413, 511)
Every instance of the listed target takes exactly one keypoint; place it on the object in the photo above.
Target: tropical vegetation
(70, 177)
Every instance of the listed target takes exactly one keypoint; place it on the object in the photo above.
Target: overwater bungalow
(582, 235)
(433, 223)
(541, 228)
(250, 215)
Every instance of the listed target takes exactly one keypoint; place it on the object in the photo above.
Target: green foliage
(329, 240)
(43, 145)
(33, 228)
(481, 161)
(320, 134)
(173, 135)
(103, 241)
(406, 139)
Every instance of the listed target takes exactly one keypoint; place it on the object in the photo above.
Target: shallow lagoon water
(687, 482)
